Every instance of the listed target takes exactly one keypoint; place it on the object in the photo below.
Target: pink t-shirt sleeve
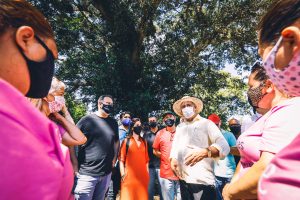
(281, 127)
(282, 174)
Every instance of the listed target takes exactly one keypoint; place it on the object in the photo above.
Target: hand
(114, 162)
(75, 168)
(64, 109)
(176, 169)
(196, 156)
(56, 117)
(226, 192)
(123, 176)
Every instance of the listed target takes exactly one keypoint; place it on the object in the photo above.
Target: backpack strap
(127, 147)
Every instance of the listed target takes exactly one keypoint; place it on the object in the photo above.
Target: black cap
(168, 113)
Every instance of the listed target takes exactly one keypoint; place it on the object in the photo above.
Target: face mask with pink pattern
(57, 104)
(288, 79)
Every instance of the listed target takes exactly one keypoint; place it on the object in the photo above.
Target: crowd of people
(177, 155)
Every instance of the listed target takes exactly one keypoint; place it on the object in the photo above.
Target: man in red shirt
(162, 148)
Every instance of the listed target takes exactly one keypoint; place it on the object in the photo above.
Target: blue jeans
(91, 187)
(220, 183)
(154, 176)
(170, 189)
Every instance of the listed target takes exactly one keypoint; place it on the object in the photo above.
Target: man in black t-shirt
(154, 162)
(99, 154)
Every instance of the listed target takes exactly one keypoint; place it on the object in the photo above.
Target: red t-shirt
(163, 143)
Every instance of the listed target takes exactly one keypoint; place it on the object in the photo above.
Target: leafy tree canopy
(149, 53)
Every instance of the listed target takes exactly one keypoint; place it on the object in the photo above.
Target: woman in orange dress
(134, 165)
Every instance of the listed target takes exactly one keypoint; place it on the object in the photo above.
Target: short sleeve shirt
(282, 174)
(154, 161)
(163, 142)
(226, 167)
(35, 165)
(272, 132)
(96, 155)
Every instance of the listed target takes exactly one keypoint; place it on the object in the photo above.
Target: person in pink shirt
(259, 144)
(279, 47)
(34, 165)
(162, 145)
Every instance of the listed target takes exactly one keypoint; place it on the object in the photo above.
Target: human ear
(24, 37)
(291, 34)
(269, 86)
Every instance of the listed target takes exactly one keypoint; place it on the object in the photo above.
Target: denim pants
(91, 187)
(220, 183)
(170, 189)
(115, 184)
(190, 191)
(154, 178)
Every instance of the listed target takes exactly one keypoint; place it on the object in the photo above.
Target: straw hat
(177, 105)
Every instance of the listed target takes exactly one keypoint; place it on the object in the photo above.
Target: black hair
(101, 98)
(152, 114)
(281, 13)
(124, 113)
(261, 74)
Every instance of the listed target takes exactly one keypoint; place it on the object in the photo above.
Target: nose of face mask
(40, 73)
(126, 122)
(107, 108)
(235, 129)
(57, 104)
(153, 124)
(188, 112)
(286, 80)
(137, 129)
(170, 122)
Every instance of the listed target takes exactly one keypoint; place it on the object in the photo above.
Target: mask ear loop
(44, 45)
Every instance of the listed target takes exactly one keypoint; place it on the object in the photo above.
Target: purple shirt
(34, 164)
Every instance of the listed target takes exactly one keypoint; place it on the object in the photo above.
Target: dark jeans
(220, 183)
(153, 182)
(191, 191)
(115, 184)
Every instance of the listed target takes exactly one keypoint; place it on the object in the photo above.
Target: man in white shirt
(197, 142)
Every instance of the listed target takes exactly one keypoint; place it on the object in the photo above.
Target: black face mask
(152, 124)
(170, 122)
(235, 129)
(41, 73)
(137, 129)
(108, 109)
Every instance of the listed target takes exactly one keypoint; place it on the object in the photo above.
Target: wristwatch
(208, 152)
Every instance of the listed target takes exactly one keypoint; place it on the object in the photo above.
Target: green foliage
(147, 54)
(76, 108)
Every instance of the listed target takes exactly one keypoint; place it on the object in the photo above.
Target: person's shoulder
(111, 120)
(161, 131)
(292, 104)
(87, 117)
(227, 134)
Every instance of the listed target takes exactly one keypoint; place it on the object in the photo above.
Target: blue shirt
(226, 168)
(122, 134)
